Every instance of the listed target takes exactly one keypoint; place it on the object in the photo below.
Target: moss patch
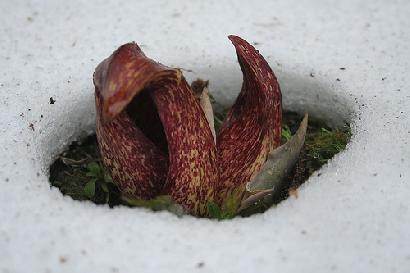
(79, 173)
(321, 144)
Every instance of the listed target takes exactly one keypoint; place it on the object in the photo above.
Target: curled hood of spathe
(155, 138)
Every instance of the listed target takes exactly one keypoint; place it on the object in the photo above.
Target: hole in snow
(78, 172)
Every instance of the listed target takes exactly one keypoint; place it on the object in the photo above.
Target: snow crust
(353, 217)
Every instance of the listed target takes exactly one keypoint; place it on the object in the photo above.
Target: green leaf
(213, 210)
(107, 177)
(94, 168)
(286, 133)
(90, 174)
(89, 188)
(231, 204)
(104, 188)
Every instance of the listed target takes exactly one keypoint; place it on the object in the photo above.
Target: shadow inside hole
(319, 99)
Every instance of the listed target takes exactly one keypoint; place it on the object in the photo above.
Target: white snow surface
(353, 217)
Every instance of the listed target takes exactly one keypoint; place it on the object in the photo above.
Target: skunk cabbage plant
(156, 132)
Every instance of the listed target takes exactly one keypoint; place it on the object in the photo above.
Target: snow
(354, 217)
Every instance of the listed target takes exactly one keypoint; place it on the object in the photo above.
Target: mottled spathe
(191, 168)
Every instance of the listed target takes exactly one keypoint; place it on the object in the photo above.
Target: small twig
(69, 174)
(70, 161)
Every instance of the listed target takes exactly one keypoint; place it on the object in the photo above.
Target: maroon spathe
(191, 168)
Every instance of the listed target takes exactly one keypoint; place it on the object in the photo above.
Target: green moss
(321, 144)
(79, 173)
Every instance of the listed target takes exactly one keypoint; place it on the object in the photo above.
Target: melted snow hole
(321, 100)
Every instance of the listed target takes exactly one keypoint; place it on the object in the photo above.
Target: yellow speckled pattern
(253, 125)
(137, 166)
(191, 168)
(193, 172)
